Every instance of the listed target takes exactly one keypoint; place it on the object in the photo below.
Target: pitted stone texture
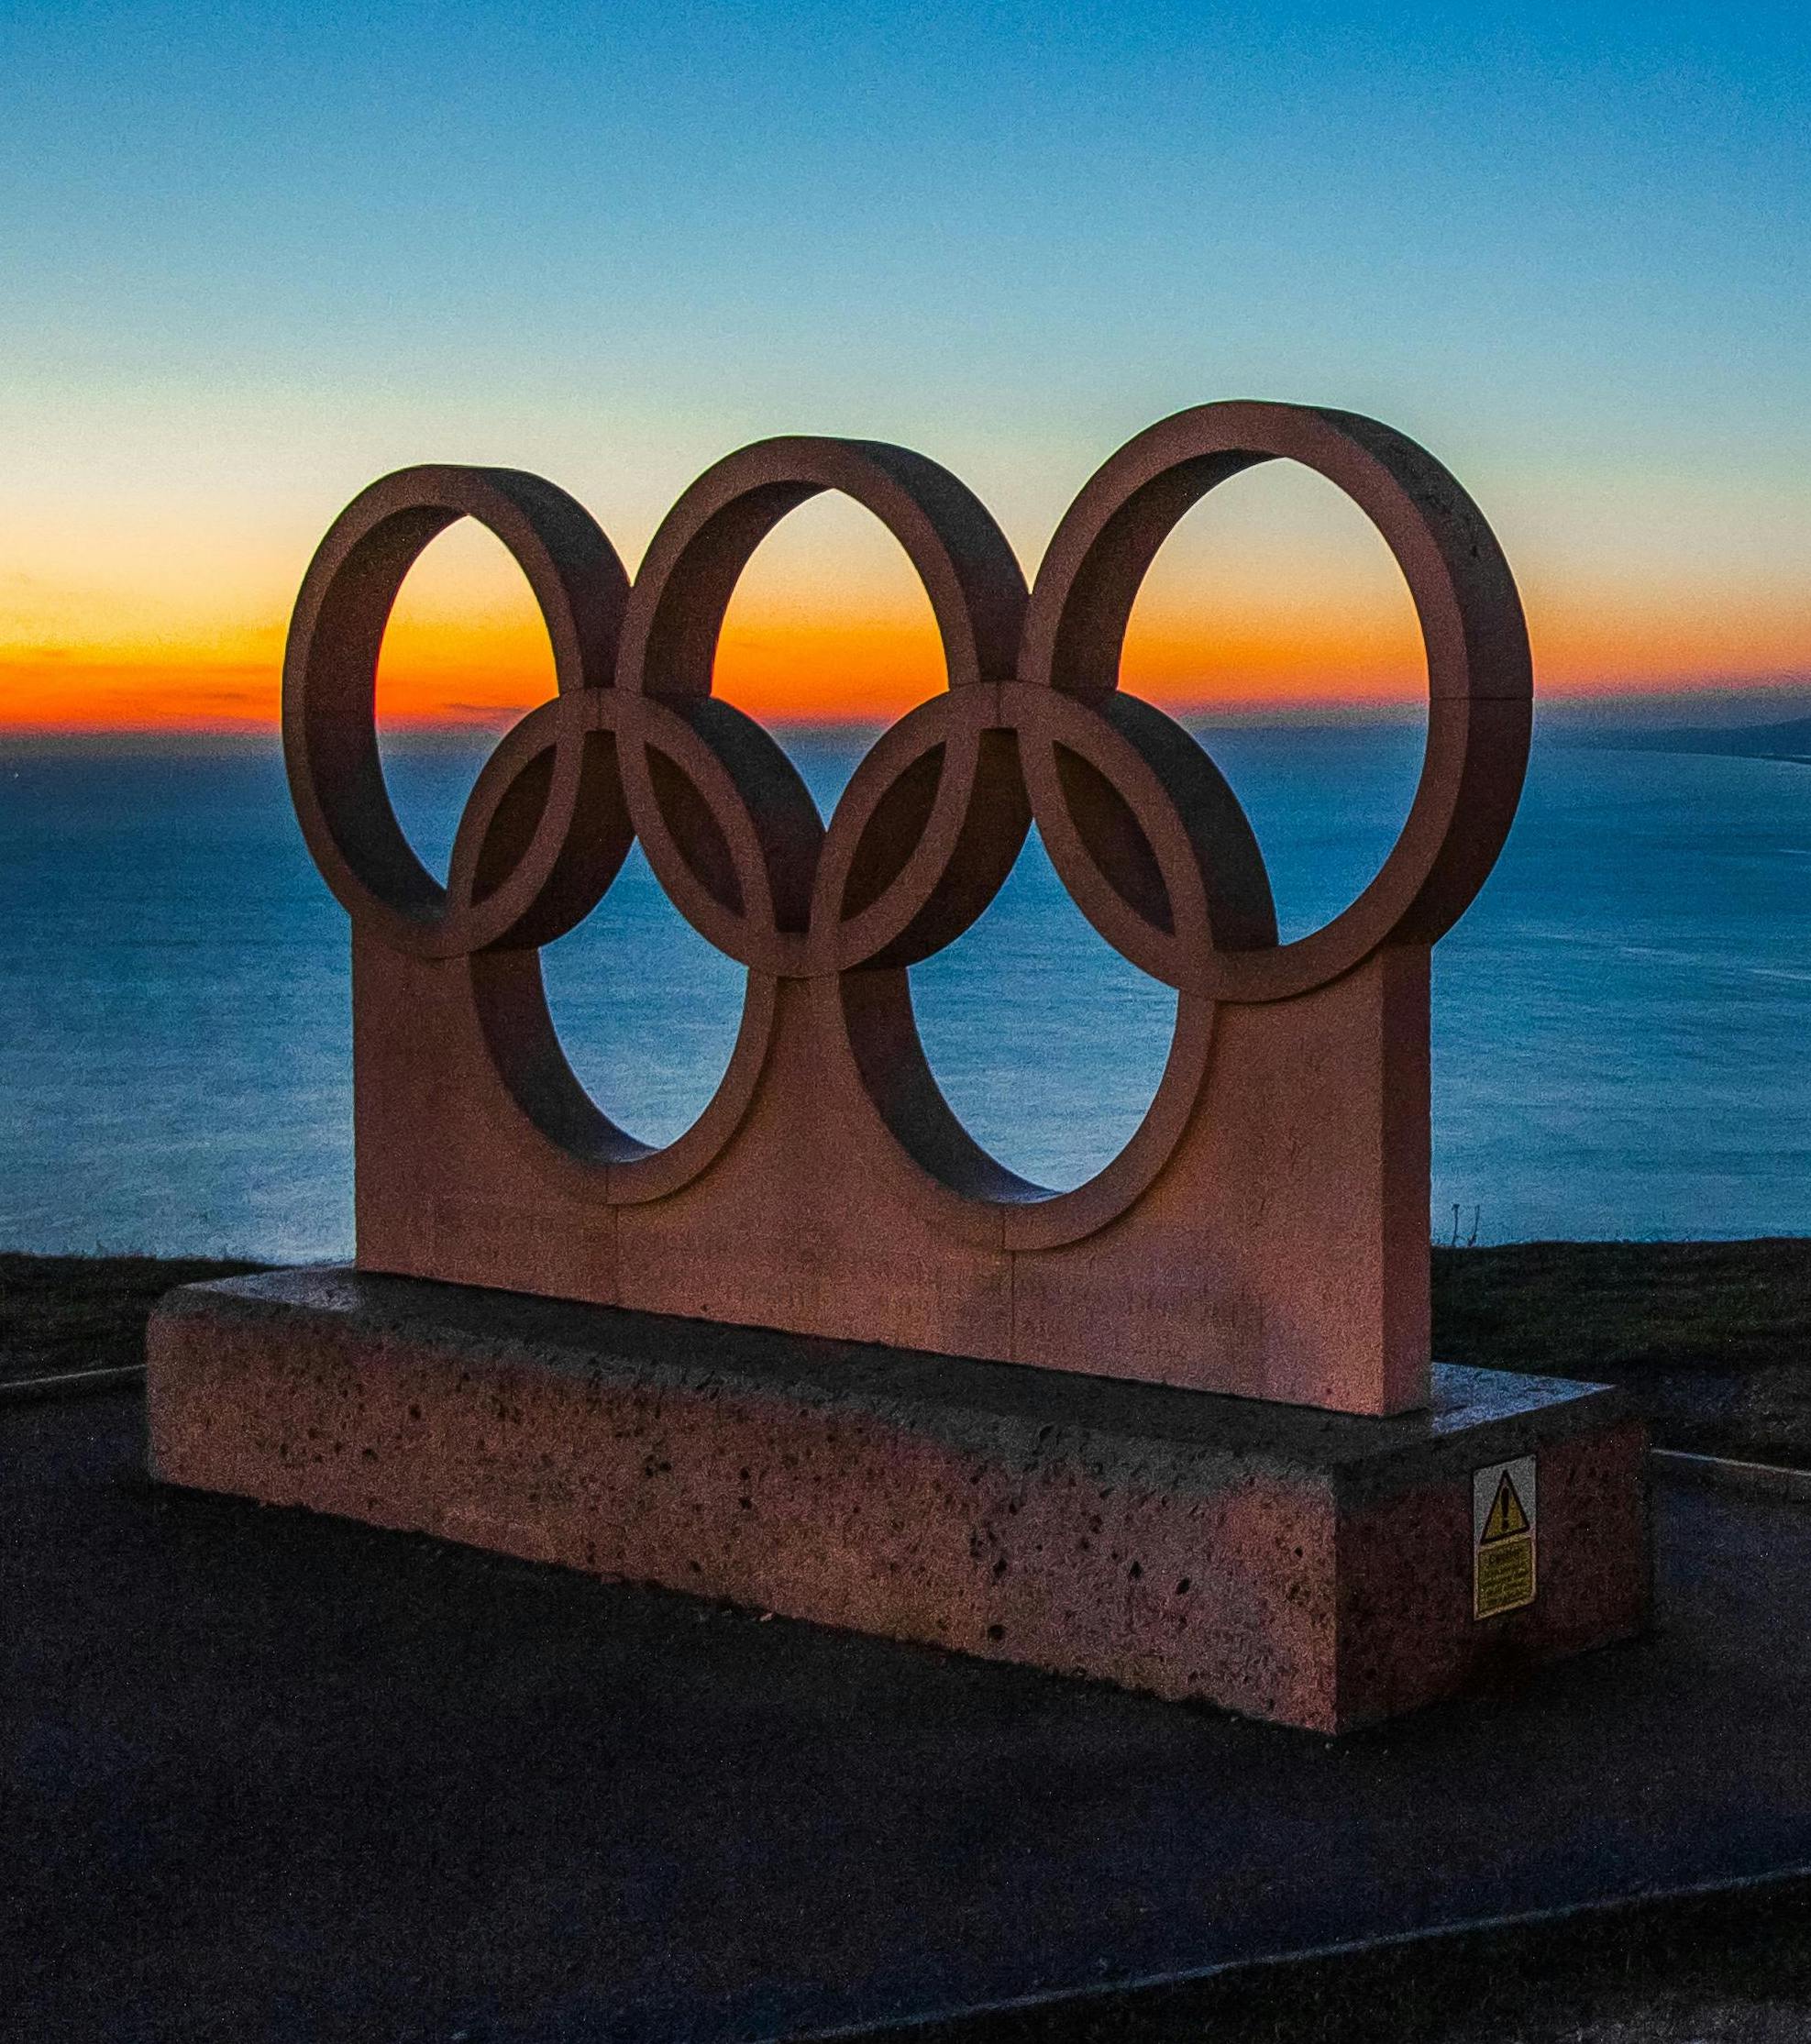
(1309, 1568)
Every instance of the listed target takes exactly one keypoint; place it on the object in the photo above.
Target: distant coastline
(1789, 741)
(1661, 722)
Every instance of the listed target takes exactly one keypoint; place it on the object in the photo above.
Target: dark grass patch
(61, 1314)
(1711, 1340)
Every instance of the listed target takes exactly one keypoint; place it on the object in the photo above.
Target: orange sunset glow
(1282, 601)
(849, 668)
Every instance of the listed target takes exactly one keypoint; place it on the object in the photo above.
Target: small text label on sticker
(1504, 1511)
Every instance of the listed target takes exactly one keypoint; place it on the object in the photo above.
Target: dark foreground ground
(1712, 1339)
(274, 1777)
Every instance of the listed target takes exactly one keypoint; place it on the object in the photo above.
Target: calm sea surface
(1622, 1035)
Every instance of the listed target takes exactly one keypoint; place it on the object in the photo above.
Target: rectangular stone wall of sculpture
(1282, 1253)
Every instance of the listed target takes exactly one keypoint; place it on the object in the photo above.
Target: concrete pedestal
(1313, 1569)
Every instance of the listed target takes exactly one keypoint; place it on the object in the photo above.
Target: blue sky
(259, 254)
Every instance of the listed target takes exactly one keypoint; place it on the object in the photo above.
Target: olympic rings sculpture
(1139, 823)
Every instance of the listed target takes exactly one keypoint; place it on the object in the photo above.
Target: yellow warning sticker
(1506, 1517)
(1504, 1505)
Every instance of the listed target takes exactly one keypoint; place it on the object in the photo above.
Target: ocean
(1622, 1023)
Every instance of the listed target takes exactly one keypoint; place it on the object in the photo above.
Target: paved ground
(279, 1778)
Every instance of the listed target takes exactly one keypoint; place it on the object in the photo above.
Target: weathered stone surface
(1306, 1567)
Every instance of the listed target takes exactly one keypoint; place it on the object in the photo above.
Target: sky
(256, 256)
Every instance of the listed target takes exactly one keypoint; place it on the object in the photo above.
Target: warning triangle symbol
(1507, 1516)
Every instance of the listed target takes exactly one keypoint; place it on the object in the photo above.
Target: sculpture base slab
(1309, 1568)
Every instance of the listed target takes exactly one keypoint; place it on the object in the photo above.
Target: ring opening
(1047, 1044)
(829, 628)
(465, 653)
(1276, 625)
(645, 1011)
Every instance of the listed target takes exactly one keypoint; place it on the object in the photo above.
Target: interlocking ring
(1140, 824)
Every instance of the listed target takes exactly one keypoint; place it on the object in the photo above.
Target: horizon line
(1754, 693)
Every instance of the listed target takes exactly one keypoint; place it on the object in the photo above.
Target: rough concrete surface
(1309, 1568)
